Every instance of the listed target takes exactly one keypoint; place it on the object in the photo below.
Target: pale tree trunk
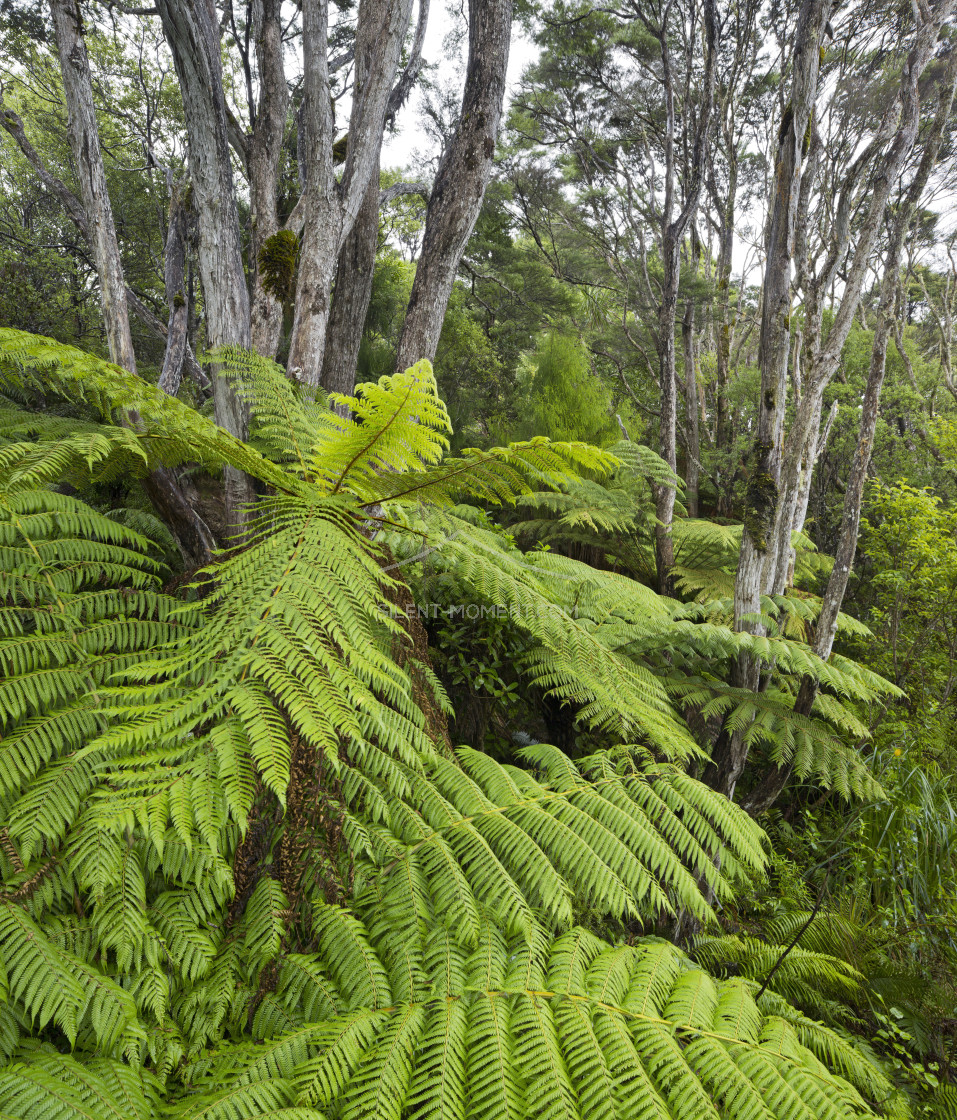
(673, 230)
(461, 180)
(766, 792)
(175, 278)
(732, 83)
(775, 338)
(768, 789)
(321, 217)
(692, 431)
(813, 453)
(85, 144)
(899, 127)
(192, 32)
(352, 290)
(351, 295)
(263, 155)
(730, 752)
(193, 537)
(725, 322)
(331, 210)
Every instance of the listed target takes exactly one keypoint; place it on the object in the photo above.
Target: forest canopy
(478, 625)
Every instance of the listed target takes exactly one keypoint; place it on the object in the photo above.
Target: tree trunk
(668, 423)
(672, 234)
(724, 317)
(85, 144)
(356, 265)
(265, 151)
(899, 127)
(692, 439)
(460, 182)
(331, 209)
(192, 32)
(766, 792)
(774, 346)
(351, 295)
(175, 277)
(730, 753)
(193, 537)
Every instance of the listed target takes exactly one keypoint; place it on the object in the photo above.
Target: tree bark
(352, 290)
(175, 279)
(461, 180)
(331, 209)
(766, 792)
(264, 153)
(192, 32)
(898, 130)
(351, 296)
(692, 433)
(95, 217)
(724, 317)
(85, 144)
(730, 752)
(673, 229)
(775, 338)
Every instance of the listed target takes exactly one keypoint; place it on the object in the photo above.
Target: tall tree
(770, 787)
(460, 182)
(778, 459)
(192, 31)
(331, 207)
(194, 537)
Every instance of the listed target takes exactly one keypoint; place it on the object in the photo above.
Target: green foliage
(242, 878)
(911, 541)
(566, 400)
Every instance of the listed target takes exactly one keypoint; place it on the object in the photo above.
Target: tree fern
(241, 880)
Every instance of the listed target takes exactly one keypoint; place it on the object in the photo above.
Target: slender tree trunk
(901, 122)
(192, 32)
(723, 340)
(668, 422)
(195, 540)
(814, 453)
(775, 339)
(725, 325)
(322, 220)
(356, 265)
(730, 752)
(673, 230)
(692, 470)
(175, 277)
(351, 295)
(766, 792)
(331, 209)
(461, 180)
(85, 143)
(265, 151)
